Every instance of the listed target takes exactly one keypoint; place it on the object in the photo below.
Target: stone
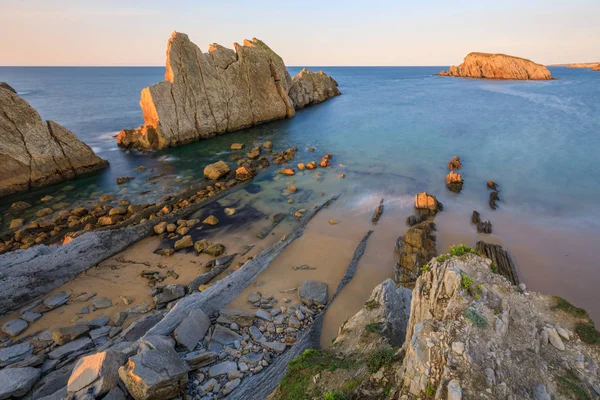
(229, 211)
(117, 211)
(224, 336)
(454, 390)
(15, 327)
(56, 300)
(124, 179)
(427, 203)
(17, 382)
(15, 353)
(274, 346)
(268, 145)
(184, 243)
(256, 334)
(192, 329)
(264, 315)
(231, 386)
(492, 185)
(254, 297)
(540, 392)
(67, 334)
(140, 326)
(160, 228)
(114, 394)
(458, 347)
(215, 250)
(201, 358)
(169, 293)
(60, 352)
(313, 292)
(216, 170)
(100, 303)
(244, 173)
(211, 220)
(415, 249)
(154, 374)
(555, 339)
(35, 152)
(228, 317)
(202, 245)
(454, 163)
(99, 335)
(99, 322)
(31, 316)
(16, 223)
(223, 368)
(224, 90)
(98, 373)
(498, 66)
(119, 318)
(287, 171)
(237, 146)
(454, 182)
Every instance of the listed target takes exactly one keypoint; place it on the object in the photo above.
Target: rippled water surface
(394, 129)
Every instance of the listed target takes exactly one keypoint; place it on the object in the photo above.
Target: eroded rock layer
(498, 66)
(224, 90)
(34, 152)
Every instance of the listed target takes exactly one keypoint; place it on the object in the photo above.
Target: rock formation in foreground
(224, 90)
(34, 152)
(498, 66)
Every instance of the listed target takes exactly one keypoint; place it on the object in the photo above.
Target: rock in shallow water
(313, 293)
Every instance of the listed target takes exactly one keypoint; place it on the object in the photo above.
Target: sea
(391, 132)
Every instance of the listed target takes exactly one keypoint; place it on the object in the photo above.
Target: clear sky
(305, 32)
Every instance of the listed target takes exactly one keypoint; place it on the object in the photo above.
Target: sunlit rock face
(224, 90)
(34, 152)
(498, 66)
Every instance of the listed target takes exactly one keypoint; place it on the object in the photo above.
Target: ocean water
(394, 130)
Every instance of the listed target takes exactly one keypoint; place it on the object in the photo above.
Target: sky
(303, 33)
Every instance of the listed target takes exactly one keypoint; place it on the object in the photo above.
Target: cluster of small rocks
(180, 231)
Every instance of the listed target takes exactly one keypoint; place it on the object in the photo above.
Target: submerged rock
(220, 91)
(498, 66)
(35, 152)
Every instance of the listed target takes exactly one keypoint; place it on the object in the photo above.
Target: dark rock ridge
(34, 152)
(224, 90)
(498, 66)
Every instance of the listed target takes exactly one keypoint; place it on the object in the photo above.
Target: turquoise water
(394, 129)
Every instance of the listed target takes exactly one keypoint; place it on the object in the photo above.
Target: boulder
(454, 163)
(17, 382)
(427, 204)
(220, 91)
(154, 374)
(498, 66)
(454, 182)
(201, 358)
(35, 152)
(98, 373)
(313, 293)
(192, 329)
(216, 170)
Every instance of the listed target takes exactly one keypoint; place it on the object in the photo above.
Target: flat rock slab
(192, 329)
(224, 336)
(17, 382)
(67, 334)
(155, 374)
(15, 327)
(99, 322)
(262, 314)
(313, 293)
(56, 300)
(31, 316)
(199, 359)
(139, 327)
(241, 318)
(83, 343)
(275, 346)
(101, 303)
(223, 368)
(13, 354)
(97, 372)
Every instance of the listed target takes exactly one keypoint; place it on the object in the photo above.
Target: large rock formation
(596, 68)
(498, 66)
(34, 152)
(206, 94)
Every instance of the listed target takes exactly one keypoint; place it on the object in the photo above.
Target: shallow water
(394, 129)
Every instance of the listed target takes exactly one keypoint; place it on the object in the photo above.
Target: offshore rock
(224, 90)
(34, 152)
(498, 66)
(427, 204)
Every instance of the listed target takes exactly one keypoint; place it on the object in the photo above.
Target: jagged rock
(98, 373)
(231, 386)
(414, 219)
(494, 197)
(484, 227)
(15, 327)
(244, 173)
(454, 163)
(313, 293)
(216, 170)
(492, 185)
(192, 329)
(169, 293)
(153, 374)
(211, 220)
(501, 260)
(427, 204)
(475, 217)
(454, 182)
(139, 327)
(220, 91)
(498, 66)
(237, 146)
(416, 248)
(15, 353)
(37, 153)
(17, 382)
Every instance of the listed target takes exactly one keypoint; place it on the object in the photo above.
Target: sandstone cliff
(596, 68)
(498, 66)
(224, 90)
(470, 335)
(34, 152)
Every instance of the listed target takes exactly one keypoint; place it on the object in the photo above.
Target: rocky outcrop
(34, 152)
(224, 90)
(415, 249)
(596, 68)
(498, 66)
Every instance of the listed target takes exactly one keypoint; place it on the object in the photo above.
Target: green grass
(442, 258)
(351, 385)
(294, 385)
(568, 384)
(587, 332)
(371, 305)
(430, 391)
(374, 327)
(461, 249)
(494, 267)
(334, 396)
(475, 317)
(379, 358)
(466, 281)
(564, 305)
(425, 268)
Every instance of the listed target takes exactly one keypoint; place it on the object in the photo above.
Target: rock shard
(224, 90)
(34, 152)
(498, 66)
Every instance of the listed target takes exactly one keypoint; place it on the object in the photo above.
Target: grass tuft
(461, 249)
(442, 258)
(375, 327)
(587, 332)
(564, 305)
(379, 358)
